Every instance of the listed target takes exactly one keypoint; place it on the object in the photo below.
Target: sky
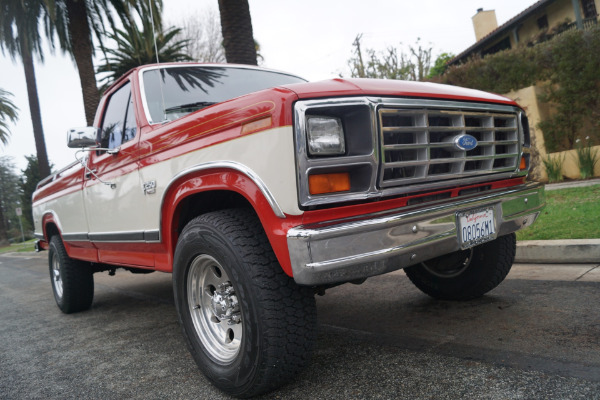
(310, 38)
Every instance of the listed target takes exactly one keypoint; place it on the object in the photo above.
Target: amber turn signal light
(257, 125)
(329, 183)
(523, 164)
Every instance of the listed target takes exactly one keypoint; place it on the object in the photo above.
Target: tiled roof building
(535, 24)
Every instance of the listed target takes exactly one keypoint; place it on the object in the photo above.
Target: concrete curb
(578, 251)
(572, 184)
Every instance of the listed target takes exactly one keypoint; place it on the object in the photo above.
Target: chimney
(484, 22)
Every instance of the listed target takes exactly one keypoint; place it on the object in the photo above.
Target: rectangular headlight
(325, 136)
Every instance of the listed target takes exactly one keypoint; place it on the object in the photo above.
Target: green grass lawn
(569, 214)
(18, 247)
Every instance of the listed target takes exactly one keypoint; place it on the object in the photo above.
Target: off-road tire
(72, 280)
(488, 266)
(278, 317)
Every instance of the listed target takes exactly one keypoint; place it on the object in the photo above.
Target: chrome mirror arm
(92, 172)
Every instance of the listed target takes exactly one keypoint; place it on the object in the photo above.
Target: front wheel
(249, 327)
(72, 280)
(465, 274)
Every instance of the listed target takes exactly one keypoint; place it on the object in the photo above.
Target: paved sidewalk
(556, 272)
(572, 184)
(558, 251)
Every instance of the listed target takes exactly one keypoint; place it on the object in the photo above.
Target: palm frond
(8, 112)
(135, 47)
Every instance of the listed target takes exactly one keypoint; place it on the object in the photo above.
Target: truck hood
(393, 88)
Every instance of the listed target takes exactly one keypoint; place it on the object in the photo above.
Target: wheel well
(51, 230)
(202, 203)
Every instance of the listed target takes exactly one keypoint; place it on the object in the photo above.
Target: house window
(589, 8)
(504, 44)
(542, 22)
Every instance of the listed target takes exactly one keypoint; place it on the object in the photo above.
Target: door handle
(89, 173)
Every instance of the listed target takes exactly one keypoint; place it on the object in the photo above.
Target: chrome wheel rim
(450, 265)
(56, 277)
(214, 309)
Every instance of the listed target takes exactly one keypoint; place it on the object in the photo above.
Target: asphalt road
(537, 336)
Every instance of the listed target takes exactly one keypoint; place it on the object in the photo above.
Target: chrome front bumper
(355, 248)
(37, 246)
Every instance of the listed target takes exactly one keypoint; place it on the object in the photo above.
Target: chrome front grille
(418, 145)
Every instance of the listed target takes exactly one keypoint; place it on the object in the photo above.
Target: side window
(589, 9)
(118, 125)
(130, 124)
(542, 22)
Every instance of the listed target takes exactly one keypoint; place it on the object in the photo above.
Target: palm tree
(135, 48)
(236, 26)
(77, 21)
(19, 36)
(8, 112)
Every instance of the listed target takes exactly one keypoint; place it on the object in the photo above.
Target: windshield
(190, 88)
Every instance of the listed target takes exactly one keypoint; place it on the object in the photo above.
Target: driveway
(536, 336)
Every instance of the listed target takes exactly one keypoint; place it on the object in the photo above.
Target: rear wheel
(465, 274)
(72, 280)
(249, 327)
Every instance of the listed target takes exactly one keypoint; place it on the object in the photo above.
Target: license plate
(476, 227)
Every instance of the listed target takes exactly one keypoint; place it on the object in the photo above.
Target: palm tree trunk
(34, 109)
(238, 38)
(81, 42)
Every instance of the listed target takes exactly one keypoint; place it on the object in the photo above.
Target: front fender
(225, 176)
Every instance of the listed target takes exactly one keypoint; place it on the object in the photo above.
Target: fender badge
(149, 187)
(465, 142)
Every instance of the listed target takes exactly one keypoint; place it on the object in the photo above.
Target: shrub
(554, 168)
(500, 72)
(586, 158)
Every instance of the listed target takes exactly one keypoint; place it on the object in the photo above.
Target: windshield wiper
(190, 105)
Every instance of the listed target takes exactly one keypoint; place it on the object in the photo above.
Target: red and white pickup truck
(257, 189)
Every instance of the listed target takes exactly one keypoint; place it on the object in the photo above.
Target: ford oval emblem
(465, 142)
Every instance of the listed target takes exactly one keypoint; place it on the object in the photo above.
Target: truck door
(113, 192)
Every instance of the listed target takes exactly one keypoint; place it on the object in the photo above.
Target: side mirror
(78, 138)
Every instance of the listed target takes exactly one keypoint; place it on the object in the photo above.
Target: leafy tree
(203, 35)
(76, 22)
(391, 64)
(29, 181)
(440, 65)
(8, 112)
(387, 65)
(20, 38)
(420, 60)
(236, 25)
(136, 47)
(9, 200)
